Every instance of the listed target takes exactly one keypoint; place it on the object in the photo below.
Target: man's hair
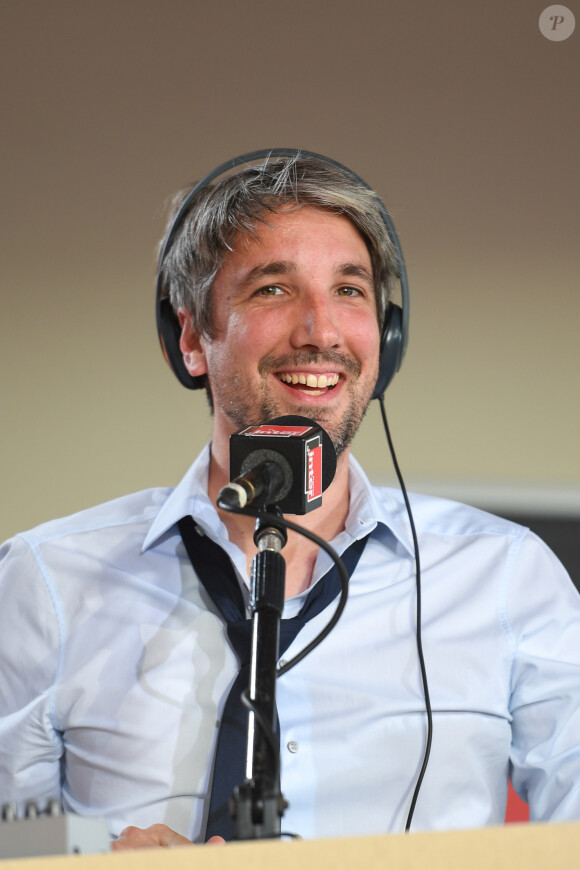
(239, 203)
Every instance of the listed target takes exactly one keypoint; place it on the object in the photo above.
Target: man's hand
(157, 836)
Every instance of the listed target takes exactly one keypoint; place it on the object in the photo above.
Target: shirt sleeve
(543, 614)
(30, 648)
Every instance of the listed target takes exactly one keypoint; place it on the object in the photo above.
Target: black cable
(341, 567)
(418, 619)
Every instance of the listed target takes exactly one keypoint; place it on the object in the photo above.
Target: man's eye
(270, 290)
(349, 291)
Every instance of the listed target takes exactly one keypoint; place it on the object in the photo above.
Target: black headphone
(395, 330)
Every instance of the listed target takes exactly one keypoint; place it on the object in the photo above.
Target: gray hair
(240, 202)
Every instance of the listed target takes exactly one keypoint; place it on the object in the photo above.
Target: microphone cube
(297, 447)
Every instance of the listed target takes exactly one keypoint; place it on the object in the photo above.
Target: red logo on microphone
(280, 431)
(314, 472)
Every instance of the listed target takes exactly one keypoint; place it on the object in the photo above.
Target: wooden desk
(526, 846)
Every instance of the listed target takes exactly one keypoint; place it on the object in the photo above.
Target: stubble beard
(244, 407)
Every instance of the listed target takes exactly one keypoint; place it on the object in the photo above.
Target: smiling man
(117, 661)
(295, 331)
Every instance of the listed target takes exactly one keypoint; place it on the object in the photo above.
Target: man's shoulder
(439, 515)
(136, 509)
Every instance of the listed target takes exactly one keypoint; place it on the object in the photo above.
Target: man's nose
(315, 325)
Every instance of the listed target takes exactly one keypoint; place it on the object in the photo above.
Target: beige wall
(462, 115)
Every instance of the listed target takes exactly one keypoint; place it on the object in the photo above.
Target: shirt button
(292, 746)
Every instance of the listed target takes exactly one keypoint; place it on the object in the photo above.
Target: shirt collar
(371, 508)
(189, 498)
(366, 513)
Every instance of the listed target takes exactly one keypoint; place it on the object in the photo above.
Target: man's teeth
(320, 382)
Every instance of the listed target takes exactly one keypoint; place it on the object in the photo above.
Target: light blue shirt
(115, 669)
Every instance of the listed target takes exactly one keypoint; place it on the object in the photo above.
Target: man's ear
(190, 346)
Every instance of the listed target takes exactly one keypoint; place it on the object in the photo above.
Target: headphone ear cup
(169, 336)
(392, 349)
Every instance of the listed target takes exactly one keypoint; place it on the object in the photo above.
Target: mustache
(332, 358)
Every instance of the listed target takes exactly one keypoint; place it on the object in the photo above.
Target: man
(117, 664)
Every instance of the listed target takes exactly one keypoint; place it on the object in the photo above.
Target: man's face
(296, 327)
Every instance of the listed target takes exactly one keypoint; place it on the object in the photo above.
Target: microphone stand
(257, 804)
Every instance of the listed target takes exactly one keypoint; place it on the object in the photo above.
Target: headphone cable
(422, 667)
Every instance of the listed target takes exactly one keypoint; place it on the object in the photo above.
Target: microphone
(262, 485)
(288, 461)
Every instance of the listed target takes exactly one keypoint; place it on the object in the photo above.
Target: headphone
(395, 328)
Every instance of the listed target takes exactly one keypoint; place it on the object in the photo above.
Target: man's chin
(341, 432)
(341, 424)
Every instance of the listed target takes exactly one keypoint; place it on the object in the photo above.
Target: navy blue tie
(215, 570)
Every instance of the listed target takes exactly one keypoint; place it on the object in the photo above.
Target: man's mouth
(307, 382)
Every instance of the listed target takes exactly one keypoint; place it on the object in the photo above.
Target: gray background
(462, 116)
